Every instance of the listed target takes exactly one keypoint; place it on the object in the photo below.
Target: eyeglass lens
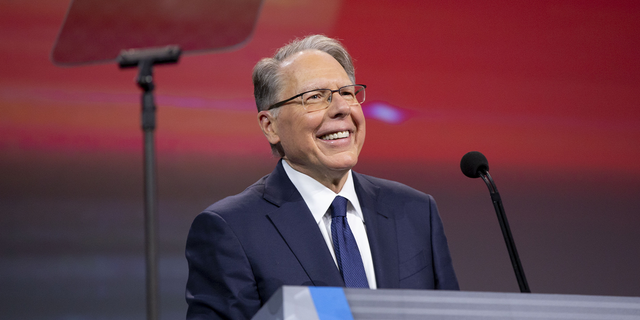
(321, 98)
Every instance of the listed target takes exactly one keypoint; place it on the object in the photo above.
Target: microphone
(475, 165)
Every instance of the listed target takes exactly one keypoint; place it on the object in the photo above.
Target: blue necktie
(345, 247)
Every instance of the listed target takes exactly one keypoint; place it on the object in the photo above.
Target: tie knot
(339, 207)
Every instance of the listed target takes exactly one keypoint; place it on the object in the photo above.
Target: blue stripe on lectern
(331, 303)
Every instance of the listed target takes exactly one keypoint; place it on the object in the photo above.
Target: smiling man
(312, 221)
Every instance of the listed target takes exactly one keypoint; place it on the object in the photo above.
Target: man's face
(306, 136)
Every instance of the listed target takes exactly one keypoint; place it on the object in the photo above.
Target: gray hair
(266, 74)
(267, 81)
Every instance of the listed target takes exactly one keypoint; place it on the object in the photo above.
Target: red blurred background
(549, 91)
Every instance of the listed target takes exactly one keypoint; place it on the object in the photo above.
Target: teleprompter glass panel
(98, 30)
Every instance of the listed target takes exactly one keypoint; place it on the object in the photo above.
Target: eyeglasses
(319, 99)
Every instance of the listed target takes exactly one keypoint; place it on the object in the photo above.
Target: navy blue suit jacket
(243, 248)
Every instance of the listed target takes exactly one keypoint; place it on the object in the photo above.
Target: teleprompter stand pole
(145, 59)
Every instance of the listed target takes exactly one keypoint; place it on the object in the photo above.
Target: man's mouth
(336, 135)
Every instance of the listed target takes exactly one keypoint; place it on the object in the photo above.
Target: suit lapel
(381, 232)
(296, 225)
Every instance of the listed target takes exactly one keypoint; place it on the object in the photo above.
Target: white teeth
(337, 135)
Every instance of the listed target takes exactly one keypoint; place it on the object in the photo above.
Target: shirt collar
(318, 197)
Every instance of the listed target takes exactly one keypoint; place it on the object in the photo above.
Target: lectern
(323, 303)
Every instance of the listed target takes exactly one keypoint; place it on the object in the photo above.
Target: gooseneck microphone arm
(475, 165)
(506, 232)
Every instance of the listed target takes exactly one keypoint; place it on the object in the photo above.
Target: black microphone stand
(506, 231)
(145, 60)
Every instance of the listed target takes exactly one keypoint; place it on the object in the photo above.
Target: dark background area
(547, 90)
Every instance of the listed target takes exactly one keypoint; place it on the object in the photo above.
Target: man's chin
(342, 162)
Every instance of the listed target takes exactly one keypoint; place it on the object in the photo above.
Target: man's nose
(338, 106)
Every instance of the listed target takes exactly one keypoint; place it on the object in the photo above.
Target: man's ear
(269, 126)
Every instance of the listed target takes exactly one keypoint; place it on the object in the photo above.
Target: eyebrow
(323, 87)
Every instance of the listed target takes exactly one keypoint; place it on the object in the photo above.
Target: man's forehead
(309, 69)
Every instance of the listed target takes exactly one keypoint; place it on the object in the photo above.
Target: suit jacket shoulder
(243, 204)
(392, 191)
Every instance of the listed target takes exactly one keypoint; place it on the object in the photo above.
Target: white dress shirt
(319, 198)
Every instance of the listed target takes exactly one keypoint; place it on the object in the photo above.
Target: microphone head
(473, 163)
